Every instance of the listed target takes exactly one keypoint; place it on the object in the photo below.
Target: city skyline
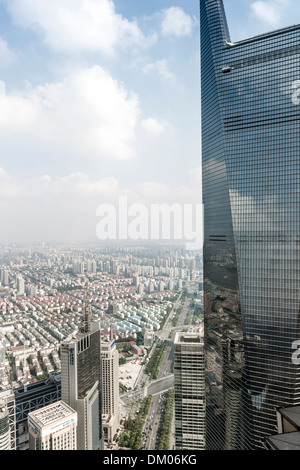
(89, 116)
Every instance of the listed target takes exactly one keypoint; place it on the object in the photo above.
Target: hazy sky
(100, 98)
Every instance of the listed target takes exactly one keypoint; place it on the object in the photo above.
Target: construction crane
(87, 314)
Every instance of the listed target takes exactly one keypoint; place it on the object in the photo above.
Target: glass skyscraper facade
(251, 196)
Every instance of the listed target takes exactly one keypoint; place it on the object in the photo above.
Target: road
(158, 388)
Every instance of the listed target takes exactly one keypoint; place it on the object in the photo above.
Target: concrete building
(92, 267)
(8, 405)
(110, 389)
(53, 427)
(20, 285)
(5, 443)
(149, 337)
(2, 352)
(189, 382)
(4, 277)
(135, 281)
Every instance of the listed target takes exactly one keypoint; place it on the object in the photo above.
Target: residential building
(5, 443)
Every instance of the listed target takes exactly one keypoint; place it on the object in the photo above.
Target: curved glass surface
(251, 196)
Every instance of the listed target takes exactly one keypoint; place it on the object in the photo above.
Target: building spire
(213, 16)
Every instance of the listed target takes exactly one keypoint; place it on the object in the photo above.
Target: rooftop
(288, 441)
(52, 413)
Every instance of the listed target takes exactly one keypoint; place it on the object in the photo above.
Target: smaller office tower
(53, 428)
(189, 380)
(110, 389)
(5, 443)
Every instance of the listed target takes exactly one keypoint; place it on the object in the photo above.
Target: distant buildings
(92, 267)
(53, 427)
(189, 384)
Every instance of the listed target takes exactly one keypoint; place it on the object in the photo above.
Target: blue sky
(100, 98)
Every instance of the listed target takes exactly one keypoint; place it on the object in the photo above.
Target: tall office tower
(53, 427)
(189, 384)
(251, 180)
(5, 443)
(81, 381)
(110, 388)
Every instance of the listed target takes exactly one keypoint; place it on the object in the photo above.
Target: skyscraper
(189, 384)
(251, 182)
(81, 381)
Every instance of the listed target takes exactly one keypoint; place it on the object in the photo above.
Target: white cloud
(161, 68)
(7, 56)
(177, 23)
(87, 113)
(155, 126)
(196, 174)
(72, 25)
(64, 208)
(269, 12)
